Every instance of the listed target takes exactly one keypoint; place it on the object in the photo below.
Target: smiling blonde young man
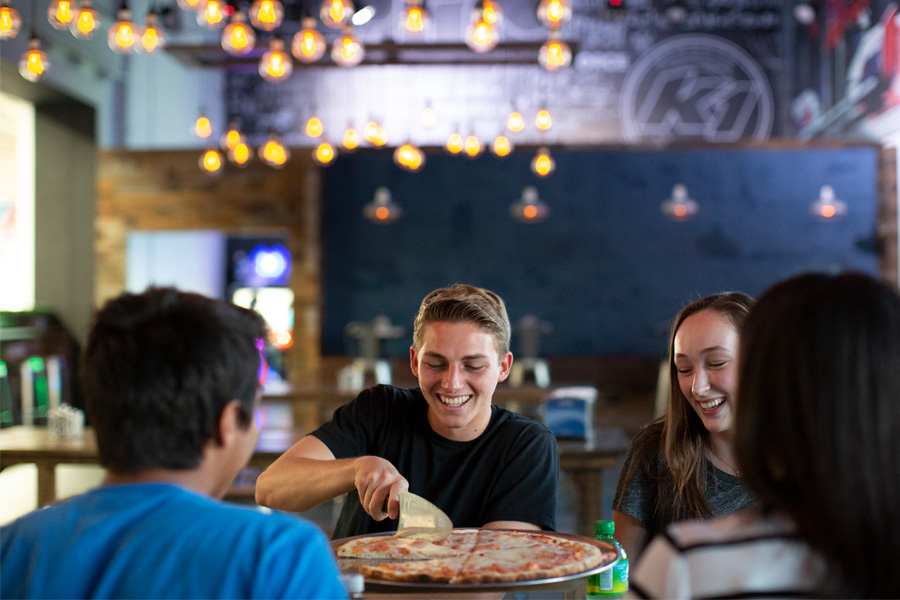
(480, 463)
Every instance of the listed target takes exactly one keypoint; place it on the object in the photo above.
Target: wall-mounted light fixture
(679, 205)
(529, 208)
(827, 207)
(382, 209)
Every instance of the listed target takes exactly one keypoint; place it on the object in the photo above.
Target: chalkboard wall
(607, 269)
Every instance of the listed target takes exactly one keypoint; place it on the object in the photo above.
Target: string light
(308, 44)
(190, 5)
(554, 54)
(232, 137)
(152, 37)
(375, 133)
(350, 139)
(273, 152)
(86, 21)
(481, 36)
(211, 161)
(335, 13)
(429, 117)
(414, 18)
(61, 13)
(455, 143)
(515, 122)
(276, 65)
(240, 154)
(324, 154)
(501, 146)
(543, 120)
(202, 126)
(554, 13)
(238, 38)
(34, 62)
(266, 14)
(122, 36)
(489, 12)
(212, 14)
(472, 146)
(10, 21)
(409, 157)
(543, 164)
(347, 51)
(314, 127)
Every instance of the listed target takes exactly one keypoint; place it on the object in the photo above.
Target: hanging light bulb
(554, 13)
(472, 146)
(10, 21)
(409, 157)
(455, 143)
(34, 62)
(827, 207)
(335, 13)
(429, 117)
(314, 127)
(152, 37)
(414, 18)
(543, 120)
(86, 21)
(61, 13)
(375, 134)
(211, 161)
(501, 146)
(190, 5)
(489, 12)
(211, 14)
(273, 152)
(238, 38)
(231, 138)
(308, 44)
(350, 139)
(240, 154)
(529, 208)
(202, 126)
(122, 36)
(324, 154)
(543, 164)
(481, 36)
(382, 209)
(347, 51)
(515, 122)
(266, 15)
(276, 65)
(554, 53)
(679, 206)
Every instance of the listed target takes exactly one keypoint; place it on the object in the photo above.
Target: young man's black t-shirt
(509, 473)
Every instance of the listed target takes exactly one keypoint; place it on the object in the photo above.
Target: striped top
(742, 555)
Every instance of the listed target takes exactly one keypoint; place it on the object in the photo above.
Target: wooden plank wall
(165, 190)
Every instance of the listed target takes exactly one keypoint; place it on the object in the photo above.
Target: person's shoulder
(512, 422)
(736, 528)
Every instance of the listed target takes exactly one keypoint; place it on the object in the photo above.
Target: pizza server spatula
(421, 519)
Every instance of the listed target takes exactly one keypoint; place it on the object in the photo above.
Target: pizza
(474, 556)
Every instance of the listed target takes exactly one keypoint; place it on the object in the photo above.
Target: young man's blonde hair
(461, 303)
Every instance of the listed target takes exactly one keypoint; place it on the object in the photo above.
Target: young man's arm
(308, 475)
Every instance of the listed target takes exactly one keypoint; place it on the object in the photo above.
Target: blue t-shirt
(158, 540)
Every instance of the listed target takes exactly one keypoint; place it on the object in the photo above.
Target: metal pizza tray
(566, 582)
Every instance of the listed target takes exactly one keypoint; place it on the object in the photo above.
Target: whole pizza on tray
(474, 556)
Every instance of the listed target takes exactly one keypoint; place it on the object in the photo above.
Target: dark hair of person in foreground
(818, 424)
(158, 370)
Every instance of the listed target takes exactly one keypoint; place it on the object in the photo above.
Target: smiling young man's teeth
(710, 404)
(455, 401)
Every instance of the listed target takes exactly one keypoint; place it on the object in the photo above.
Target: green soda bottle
(611, 583)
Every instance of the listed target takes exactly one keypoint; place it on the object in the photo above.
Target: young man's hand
(379, 485)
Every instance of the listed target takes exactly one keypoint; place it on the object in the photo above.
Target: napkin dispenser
(569, 412)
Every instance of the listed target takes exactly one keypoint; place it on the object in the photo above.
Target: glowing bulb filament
(266, 13)
(203, 127)
(351, 139)
(35, 63)
(314, 127)
(63, 13)
(483, 35)
(455, 143)
(336, 11)
(543, 120)
(86, 24)
(125, 35)
(415, 21)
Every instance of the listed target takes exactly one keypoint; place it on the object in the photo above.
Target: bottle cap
(604, 528)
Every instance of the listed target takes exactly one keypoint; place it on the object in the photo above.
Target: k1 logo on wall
(695, 86)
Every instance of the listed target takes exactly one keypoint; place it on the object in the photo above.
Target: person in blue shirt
(171, 380)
